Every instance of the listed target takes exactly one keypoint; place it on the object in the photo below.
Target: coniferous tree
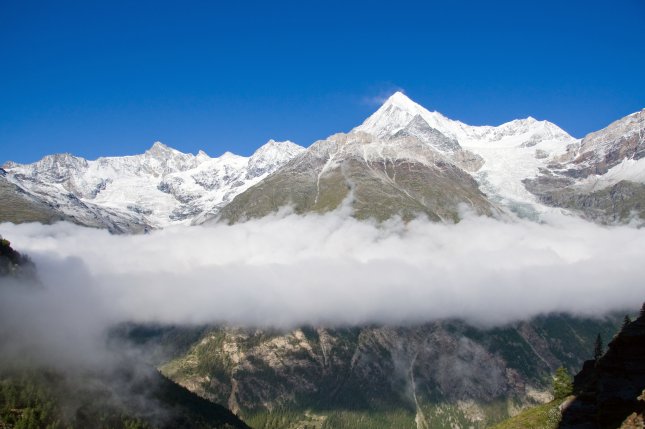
(598, 348)
(562, 383)
(626, 321)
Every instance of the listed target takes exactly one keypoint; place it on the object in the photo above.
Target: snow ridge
(511, 152)
(158, 188)
(398, 111)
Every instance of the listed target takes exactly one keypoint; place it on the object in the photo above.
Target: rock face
(610, 393)
(441, 374)
(614, 204)
(602, 177)
(605, 149)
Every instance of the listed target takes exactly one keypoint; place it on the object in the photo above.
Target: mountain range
(403, 160)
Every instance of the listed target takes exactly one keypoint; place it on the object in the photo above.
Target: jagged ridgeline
(438, 375)
(403, 160)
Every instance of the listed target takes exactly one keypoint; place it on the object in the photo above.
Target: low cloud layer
(330, 269)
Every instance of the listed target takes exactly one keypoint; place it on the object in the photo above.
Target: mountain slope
(30, 205)
(158, 188)
(602, 176)
(531, 167)
(414, 162)
(114, 390)
(509, 153)
(403, 160)
(444, 374)
(19, 206)
(378, 178)
(125, 399)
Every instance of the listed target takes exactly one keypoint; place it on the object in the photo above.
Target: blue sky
(109, 77)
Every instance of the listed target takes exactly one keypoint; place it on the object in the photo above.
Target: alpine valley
(403, 162)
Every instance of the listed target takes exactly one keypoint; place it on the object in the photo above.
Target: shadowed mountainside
(442, 374)
(127, 394)
(610, 393)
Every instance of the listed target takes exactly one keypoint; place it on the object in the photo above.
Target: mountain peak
(159, 149)
(229, 155)
(396, 113)
(402, 101)
(273, 149)
(272, 153)
(159, 146)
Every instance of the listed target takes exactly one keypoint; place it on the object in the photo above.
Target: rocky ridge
(602, 176)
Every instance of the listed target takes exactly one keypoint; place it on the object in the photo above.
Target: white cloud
(381, 96)
(332, 269)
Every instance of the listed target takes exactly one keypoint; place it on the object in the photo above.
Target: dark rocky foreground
(610, 393)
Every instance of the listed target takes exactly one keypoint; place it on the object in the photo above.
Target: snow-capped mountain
(399, 110)
(527, 162)
(374, 160)
(602, 176)
(377, 177)
(511, 152)
(157, 188)
(403, 160)
(619, 147)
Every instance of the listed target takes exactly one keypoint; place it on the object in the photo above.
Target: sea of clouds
(288, 270)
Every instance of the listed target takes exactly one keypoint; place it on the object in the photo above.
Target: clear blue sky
(110, 77)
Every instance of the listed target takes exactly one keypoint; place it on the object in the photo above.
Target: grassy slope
(544, 416)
